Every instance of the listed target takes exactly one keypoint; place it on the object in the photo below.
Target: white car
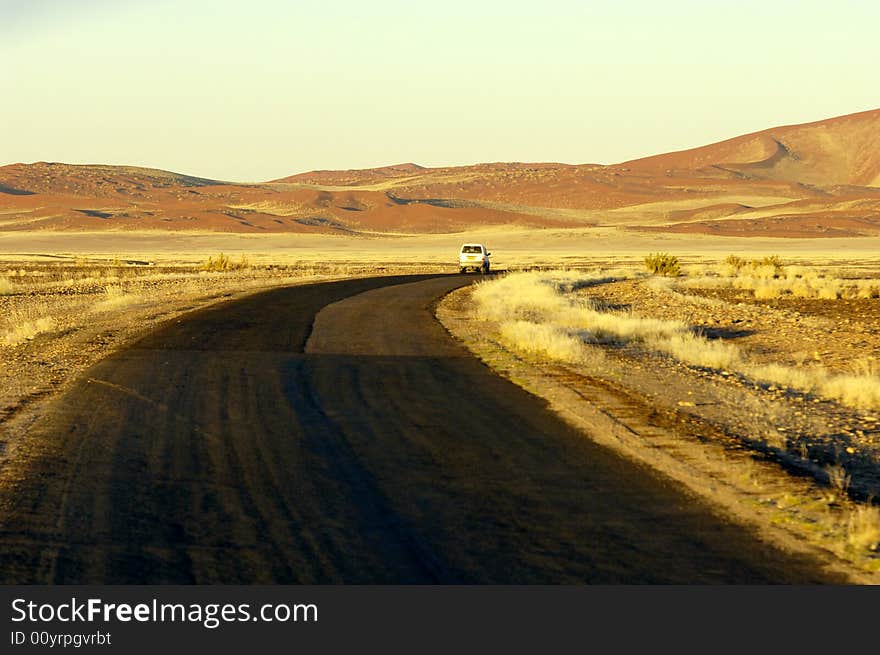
(473, 256)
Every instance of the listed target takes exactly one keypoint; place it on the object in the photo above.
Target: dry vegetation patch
(797, 389)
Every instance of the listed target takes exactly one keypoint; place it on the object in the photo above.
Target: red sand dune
(837, 151)
(816, 179)
(355, 177)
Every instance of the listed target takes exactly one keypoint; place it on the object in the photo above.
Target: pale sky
(258, 89)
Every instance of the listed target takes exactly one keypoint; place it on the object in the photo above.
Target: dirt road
(336, 433)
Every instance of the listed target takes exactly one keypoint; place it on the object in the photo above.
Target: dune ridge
(814, 179)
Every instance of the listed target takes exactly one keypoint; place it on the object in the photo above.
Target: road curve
(335, 433)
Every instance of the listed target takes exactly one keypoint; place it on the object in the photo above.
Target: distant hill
(355, 176)
(836, 151)
(817, 179)
(93, 180)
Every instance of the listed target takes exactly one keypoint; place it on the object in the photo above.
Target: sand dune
(354, 177)
(817, 179)
(837, 151)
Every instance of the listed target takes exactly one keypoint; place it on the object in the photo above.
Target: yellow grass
(767, 279)
(224, 262)
(15, 335)
(542, 339)
(114, 298)
(766, 291)
(863, 527)
(853, 390)
(550, 299)
(693, 349)
(512, 246)
(542, 312)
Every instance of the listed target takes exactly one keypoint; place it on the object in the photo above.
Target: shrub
(765, 267)
(224, 263)
(763, 271)
(771, 260)
(662, 263)
(734, 262)
(5, 286)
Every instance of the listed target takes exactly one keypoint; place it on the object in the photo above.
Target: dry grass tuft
(863, 528)
(114, 298)
(697, 350)
(852, 390)
(27, 330)
(225, 263)
(767, 291)
(801, 379)
(542, 339)
(860, 390)
(838, 478)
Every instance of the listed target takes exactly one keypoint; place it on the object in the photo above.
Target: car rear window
(471, 249)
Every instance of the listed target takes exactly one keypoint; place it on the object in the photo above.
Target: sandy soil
(511, 247)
